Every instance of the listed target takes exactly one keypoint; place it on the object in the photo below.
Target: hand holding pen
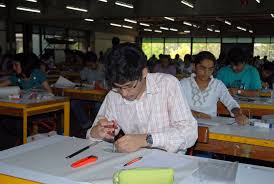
(105, 129)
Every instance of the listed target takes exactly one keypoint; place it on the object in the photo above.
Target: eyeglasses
(127, 87)
(205, 69)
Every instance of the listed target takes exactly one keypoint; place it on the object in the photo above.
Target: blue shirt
(248, 79)
(37, 77)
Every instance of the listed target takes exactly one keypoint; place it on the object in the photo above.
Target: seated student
(164, 66)
(26, 75)
(149, 107)
(89, 74)
(239, 77)
(203, 91)
(268, 75)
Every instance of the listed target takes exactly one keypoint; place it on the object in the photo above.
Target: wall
(3, 36)
(103, 40)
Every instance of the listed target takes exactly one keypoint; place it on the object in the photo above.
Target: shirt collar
(192, 78)
(151, 88)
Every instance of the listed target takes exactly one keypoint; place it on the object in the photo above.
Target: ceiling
(254, 17)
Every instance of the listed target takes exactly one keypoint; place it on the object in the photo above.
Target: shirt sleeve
(183, 132)
(256, 81)
(41, 77)
(83, 74)
(13, 79)
(226, 98)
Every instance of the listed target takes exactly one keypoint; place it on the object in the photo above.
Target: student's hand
(233, 91)
(241, 119)
(130, 143)
(104, 129)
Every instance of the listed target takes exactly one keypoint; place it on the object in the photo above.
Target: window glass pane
(214, 48)
(271, 52)
(213, 40)
(19, 42)
(171, 40)
(36, 44)
(244, 40)
(262, 40)
(229, 40)
(198, 47)
(261, 49)
(184, 40)
(199, 40)
(146, 46)
(157, 49)
(272, 39)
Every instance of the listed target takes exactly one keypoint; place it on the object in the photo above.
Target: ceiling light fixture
(227, 22)
(116, 25)
(169, 18)
(164, 28)
(128, 27)
(217, 31)
(272, 15)
(28, 9)
(105, 1)
(250, 31)
(33, 1)
(131, 21)
(186, 31)
(241, 28)
(148, 30)
(258, 1)
(89, 20)
(2, 5)
(209, 29)
(157, 31)
(126, 5)
(187, 23)
(76, 8)
(144, 24)
(187, 3)
(173, 29)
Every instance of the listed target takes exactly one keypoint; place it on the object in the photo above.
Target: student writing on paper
(26, 75)
(203, 91)
(149, 107)
(241, 78)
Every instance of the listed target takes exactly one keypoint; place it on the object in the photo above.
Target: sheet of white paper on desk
(63, 82)
(160, 159)
(10, 90)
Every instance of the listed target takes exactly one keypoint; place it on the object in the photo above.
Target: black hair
(115, 41)
(165, 57)
(124, 63)
(268, 66)
(28, 63)
(204, 55)
(236, 56)
(90, 57)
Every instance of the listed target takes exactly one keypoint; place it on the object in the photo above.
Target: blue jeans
(77, 109)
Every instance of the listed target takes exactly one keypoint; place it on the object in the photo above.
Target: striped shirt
(162, 111)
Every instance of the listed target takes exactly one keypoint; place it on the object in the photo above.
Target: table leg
(66, 118)
(25, 126)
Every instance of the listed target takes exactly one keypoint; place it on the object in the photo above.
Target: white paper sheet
(63, 83)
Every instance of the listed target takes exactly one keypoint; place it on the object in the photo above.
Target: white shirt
(162, 111)
(206, 101)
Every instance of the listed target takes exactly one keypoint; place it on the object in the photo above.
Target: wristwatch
(239, 91)
(149, 139)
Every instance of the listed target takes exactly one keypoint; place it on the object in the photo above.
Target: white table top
(255, 100)
(223, 125)
(44, 161)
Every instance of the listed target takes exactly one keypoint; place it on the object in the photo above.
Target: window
(179, 46)
(19, 42)
(264, 47)
(146, 47)
(212, 45)
(152, 46)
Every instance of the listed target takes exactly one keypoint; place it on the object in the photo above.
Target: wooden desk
(25, 108)
(81, 94)
(260, 107)
(242, 141)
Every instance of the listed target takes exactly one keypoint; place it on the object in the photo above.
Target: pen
(133, 161)
(84, 161)
(81, 150)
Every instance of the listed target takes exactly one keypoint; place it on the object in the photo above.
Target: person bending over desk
(149, 108)
(26, 75)
(239, 77)
(203, 91)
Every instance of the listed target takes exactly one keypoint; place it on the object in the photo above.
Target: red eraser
(84, 161)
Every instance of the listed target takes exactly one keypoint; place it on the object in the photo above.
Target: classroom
(136, 91)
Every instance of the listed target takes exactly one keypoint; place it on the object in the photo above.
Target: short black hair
(115, 41)
(268, 66)
(28, 62)
(90, 57)
(124, 63)
(204, 55)
(236, 56)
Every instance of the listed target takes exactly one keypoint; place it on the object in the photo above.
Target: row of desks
(244, 145)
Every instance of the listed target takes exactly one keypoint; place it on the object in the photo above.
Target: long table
(226, 137)
(26, 107)
(81, 93)
(253, 106)
(44, 161)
